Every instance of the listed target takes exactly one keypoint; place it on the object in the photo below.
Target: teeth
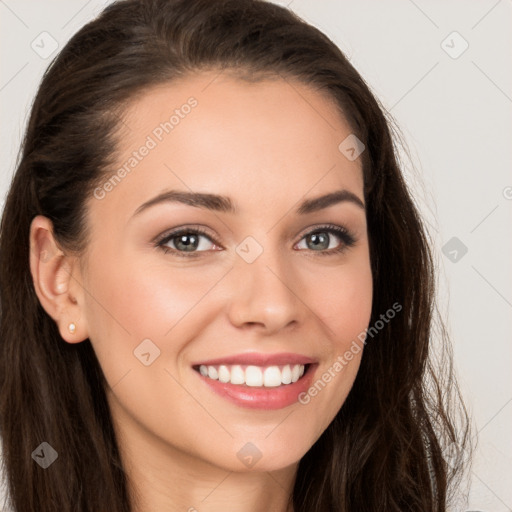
(237, 375)
(254, 376)
(224, 375)
(213, 373)
(286, 375)
(295, 373)
(272, 377)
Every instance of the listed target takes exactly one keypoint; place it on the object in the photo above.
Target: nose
(265, 293)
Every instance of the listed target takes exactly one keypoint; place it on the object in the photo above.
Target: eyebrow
(224, 204)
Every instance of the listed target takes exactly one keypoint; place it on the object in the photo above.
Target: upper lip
(258, 359)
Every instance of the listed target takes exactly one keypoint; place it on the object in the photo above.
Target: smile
(258, 381)
(254, 376)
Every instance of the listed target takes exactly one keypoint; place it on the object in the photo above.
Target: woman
(216, 291)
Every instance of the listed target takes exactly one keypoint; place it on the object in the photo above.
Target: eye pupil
(187, 246)
(319, 240)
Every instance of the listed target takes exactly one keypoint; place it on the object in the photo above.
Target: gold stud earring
(72, 328)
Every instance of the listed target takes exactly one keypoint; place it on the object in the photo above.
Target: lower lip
(260, 397)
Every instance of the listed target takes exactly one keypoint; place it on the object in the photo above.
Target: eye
(319, 240)
(190, 242)
(185, 242)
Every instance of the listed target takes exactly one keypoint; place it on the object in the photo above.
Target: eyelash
(347, 240)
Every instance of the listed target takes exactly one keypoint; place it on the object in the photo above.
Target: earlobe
(56, 280)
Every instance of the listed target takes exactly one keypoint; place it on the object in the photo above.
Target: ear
(57, 281)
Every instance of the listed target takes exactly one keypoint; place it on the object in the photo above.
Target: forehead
(212, 132)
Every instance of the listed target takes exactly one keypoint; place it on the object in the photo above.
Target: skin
(267, 145)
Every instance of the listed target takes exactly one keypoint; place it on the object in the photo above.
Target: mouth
(254, 376)
(258, 381)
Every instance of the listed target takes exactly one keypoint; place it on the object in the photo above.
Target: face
(218, 322)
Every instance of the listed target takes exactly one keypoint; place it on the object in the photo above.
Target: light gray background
(455, 113)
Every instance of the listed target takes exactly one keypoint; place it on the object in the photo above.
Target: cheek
(134, 300)
(343, 299)
(138, 300)
(344, 304)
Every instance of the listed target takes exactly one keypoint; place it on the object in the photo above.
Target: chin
(266, 454)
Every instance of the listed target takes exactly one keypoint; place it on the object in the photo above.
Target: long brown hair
(384, 449)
